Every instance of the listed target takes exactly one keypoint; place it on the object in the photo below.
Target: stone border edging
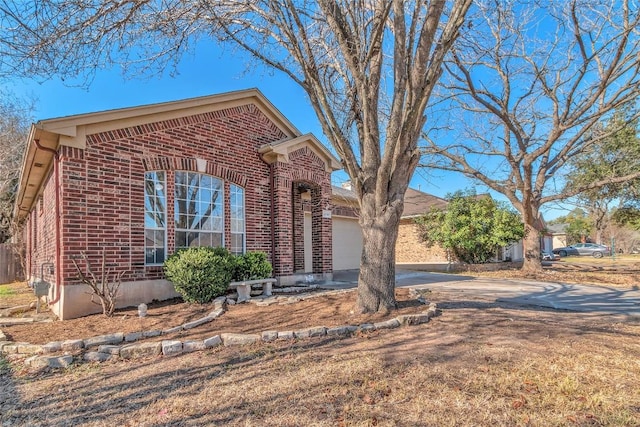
(108, 348)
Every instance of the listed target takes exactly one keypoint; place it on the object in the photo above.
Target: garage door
(347, 243)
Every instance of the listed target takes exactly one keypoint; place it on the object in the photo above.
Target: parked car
(549, 256)
(593, 249)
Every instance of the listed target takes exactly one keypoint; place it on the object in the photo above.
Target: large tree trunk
(377, 280)
(531, 243)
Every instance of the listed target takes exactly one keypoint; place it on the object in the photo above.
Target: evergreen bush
(200, 274)
(252, 266)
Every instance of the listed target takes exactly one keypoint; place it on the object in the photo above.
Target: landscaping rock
(338, 330)
(286, 335)
(239, 339)
(18, 309)
(318, 331)
(26, 348)
(196, 323)
(11, 347)
(268, 336)
(71, 345)
(96, 356)
(153, 333)
(389, 324)
(195, 345)
(171, 348)
(214, 341)
(219, 302)
(134, 351)
(104, 340)
(413, 319)
(215, 313)
(3, 337)
(171, 330)
(367, 327)
(265, 302)
(132, 336)
(109, 349)
(16, 320)
(52, 347)
(49, 361)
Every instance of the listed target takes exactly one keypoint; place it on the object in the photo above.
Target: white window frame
(220, 201)
(162, 182)
(232, 189)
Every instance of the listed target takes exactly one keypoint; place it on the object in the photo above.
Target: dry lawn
(622, 272)
(477, 364)
(15, 294)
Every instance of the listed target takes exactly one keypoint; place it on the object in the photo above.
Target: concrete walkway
(559, 296)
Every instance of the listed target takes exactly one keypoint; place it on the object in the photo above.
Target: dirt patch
(329, 310)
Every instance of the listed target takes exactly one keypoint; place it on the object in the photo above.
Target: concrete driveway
(559, 296)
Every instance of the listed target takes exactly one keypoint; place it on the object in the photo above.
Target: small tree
(472, 228)
(104, 284)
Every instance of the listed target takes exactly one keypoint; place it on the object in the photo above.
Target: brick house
(347, 237)
(409, 247)
(141, 182)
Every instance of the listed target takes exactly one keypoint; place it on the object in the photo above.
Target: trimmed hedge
(252, 266)
(204, 273)
(200, 274)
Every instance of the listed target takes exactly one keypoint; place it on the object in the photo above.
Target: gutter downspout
(272, 205)
(56, 174)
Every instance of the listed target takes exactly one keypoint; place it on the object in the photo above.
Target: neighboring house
(409, 246)
(347, 234)
(411, 249)
(141, 182)
(558, 234)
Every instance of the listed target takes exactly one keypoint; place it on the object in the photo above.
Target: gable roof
(557, 228)
(46, 136)
(418, 203)
(279, 150)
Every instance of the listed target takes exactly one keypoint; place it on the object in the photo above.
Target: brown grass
(479, 363)
(621, 273)
(15, 294)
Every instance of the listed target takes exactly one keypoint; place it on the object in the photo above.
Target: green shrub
(252, 266)
(200, 274)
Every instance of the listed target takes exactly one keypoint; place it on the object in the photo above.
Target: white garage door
(347, 243)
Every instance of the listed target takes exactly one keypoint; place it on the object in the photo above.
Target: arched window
(198, 210)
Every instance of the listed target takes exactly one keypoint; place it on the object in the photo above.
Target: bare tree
(104, 284)
(14, 126)
(368, 67)
(527, 88)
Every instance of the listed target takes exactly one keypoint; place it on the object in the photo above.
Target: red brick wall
(102, 187)
(40, 234)
(304, 166)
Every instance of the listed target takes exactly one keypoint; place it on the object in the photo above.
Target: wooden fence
(10, 266)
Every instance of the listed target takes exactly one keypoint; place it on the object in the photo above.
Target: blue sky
(208, 71)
